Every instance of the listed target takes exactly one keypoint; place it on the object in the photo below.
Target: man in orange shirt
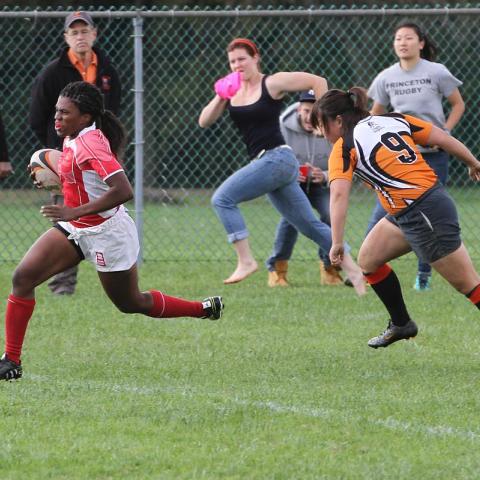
(80, 60)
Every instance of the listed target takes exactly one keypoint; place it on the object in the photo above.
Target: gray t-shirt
(418, 92)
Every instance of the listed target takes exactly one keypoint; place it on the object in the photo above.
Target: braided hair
(89, 99)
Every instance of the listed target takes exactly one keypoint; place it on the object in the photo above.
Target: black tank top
(259, 122)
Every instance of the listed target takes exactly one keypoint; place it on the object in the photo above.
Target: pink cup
(228, 86)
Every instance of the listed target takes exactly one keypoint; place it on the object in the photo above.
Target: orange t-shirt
(88, 74)
(382, 152)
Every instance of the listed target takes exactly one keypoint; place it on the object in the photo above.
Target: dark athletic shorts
(430, 225)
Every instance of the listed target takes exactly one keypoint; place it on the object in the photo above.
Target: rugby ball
(44, 168)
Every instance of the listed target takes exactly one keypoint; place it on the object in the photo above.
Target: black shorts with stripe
(430, 225)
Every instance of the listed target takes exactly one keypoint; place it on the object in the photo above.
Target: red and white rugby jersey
(382, 152)
(86, 162)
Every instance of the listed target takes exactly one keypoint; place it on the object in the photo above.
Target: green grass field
(189, 231)
(283, 387)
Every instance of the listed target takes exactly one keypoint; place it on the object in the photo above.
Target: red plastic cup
(304, 170)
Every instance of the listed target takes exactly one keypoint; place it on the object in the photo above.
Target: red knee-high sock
(474, 296)
(19, 311)
(170, 307)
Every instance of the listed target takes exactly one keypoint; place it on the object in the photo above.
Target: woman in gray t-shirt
(416, 85)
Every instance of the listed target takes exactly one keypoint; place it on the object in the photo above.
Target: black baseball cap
(78, 16)
(307, 96)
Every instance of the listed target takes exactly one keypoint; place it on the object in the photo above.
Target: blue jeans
(274, 174)
(286, 234)
(439, 162)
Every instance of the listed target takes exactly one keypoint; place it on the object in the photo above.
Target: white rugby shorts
(112, 246)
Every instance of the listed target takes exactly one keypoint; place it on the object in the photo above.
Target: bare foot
(358, 282)
(355, 275)
(241, 272)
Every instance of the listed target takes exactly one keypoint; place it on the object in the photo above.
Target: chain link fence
(184, 53)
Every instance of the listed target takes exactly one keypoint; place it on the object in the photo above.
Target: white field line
(389, 423)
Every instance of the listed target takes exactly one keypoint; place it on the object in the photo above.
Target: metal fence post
(138, 142)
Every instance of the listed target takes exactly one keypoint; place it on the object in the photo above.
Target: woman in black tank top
(254, 102)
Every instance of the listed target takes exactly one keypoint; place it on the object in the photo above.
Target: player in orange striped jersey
(381, 150)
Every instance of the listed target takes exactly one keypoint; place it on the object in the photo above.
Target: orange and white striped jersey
(381, 151)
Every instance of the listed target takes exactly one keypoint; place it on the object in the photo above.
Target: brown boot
(329, 275)
(272, 279)
(281, 267)
(278, 278)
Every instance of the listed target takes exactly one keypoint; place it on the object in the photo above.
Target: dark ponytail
(114, 130)
(351, 105)
(429, 50)
(89, 99)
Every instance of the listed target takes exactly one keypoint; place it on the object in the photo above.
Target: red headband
(238, 42)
